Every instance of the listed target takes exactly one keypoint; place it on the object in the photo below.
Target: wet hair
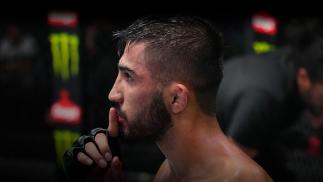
(185, 49)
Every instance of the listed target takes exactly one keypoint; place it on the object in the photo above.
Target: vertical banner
(265, 28)
(65, 112)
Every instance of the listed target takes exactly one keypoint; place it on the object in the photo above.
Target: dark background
(27, 149)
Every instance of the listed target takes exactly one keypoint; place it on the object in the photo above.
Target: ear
(177, 97)
(303, 80)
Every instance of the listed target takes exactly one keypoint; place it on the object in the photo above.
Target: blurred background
(58, 63)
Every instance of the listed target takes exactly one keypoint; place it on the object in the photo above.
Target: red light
(264, 23)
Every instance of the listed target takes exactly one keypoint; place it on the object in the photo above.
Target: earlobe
(179, 98)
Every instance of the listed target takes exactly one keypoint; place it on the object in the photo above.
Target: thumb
(116, 166)
(116, 169)
(114, 173)
(113, 127)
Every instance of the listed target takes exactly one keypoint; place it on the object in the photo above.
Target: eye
(128, 76)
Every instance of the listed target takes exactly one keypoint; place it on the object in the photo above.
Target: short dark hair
(311, 58)
(300, 32)
(305, 37)
(187, 49)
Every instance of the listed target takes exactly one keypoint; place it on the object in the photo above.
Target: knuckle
(89, 147)
(96, 131)
(100, 137)
(80, 156)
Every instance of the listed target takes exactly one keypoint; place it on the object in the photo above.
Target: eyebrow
(123, 68)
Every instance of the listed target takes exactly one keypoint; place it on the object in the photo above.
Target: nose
(115, 94)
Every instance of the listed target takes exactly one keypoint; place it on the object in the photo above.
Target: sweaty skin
(209, 157)
(194, 146)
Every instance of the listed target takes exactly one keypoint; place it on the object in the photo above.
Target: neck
(190, 145)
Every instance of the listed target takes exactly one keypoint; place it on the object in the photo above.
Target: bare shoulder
(251, 172)
(256, 174)
(242, 168)
(163, 173)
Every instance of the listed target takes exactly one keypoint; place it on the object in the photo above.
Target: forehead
(135, 57)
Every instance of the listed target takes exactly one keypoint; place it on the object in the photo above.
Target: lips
(121, 119)
(121, 115)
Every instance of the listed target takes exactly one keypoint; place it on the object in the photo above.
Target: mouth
(121, 119)
(121, 116)
(122, 124)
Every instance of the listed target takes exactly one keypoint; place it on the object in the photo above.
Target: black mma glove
(77, 171)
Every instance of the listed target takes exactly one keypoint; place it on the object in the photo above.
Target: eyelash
(127, 76)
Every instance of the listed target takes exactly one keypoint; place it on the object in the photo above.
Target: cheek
(134, 102)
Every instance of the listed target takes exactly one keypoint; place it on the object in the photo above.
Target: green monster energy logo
(65, 54)
(262, 47)
(63, 141)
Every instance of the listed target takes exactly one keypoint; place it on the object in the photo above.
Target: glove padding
(77, 171)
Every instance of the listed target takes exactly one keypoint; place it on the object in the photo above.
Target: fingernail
(108, 156)
(88, 161)
(116, 162)
(102, 163)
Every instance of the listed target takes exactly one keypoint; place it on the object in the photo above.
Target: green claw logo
(65, 52)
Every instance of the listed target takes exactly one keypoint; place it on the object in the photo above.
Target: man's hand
(93, 151)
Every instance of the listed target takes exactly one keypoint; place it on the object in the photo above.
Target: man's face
(314, 99)
(140, 104)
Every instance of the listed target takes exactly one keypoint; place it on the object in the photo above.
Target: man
(169, 73)
(262, 96)
(300, 146)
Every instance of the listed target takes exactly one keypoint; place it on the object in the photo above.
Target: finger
(116, 168)
(113, 128)
(93, 152)
(84, 159)
(115, 172)
(102, 142)
(116, 165)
